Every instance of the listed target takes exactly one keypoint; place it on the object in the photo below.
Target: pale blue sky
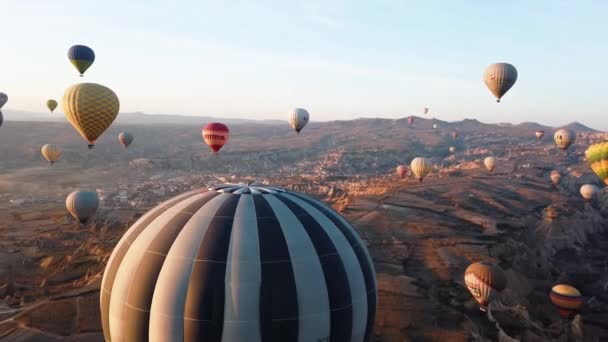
(338, 59)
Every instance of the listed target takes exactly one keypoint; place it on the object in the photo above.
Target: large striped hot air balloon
(82, 57)
(490, 163)
(597, 157)
(421, 167)
(82, 205)
(589, 192)
(90, 108)
(484, 281)
(567, 299)
(3, 99)
(51, 105)
(125, 139)
(215, 135)
(51, 153)
(499, 78)
(402, 171)
(564, 138)
(239, 263)
(298, 118)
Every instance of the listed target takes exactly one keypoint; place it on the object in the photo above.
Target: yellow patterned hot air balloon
(597, 157)
(421, 167)
(51, 105)
(90, 108)
(51, 153)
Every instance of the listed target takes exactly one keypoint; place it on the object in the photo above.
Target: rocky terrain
(421, 235)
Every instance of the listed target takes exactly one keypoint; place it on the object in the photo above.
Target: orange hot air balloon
(566, 298)
(484, 281)
(215, 135)
(402, 171)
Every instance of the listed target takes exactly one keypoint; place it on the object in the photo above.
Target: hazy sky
(339, 59)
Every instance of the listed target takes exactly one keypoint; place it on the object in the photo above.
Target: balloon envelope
(589, 192)
(215, 135)
(539, 134)
(82, 205)
(499, 78)
(556, 176)
(239, 263)
(452, 149)
(564, 138)
(484, 281)
(298, 118)
(566, 298)
(490, 163)
(421, 167)
(426, 110)
(410, 120)
(125, 139)
(402, 171)
(82, 57)
(3, 99)
(597, 157)
(51, 153)
(90, 108)
(51, 105)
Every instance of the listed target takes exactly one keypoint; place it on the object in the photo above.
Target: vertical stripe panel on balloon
(278, 292)
(363, 258)
(139, 301)
(317, 279)
(206, 291)
(125, 277)
(170, 293)
(243, 277)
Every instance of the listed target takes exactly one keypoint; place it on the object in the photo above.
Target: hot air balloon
(3, 99)
(539, 134)
(298, 118)
(589, 192)
(556, 176)
(51, 105)
(421, 167)
(452, 149)
(499, 78)
(434, 126)
(90, 108)
(567, 299)
(426, 110)
(82, 57)
(484, 281)
(215, 135)
(564, 138)
(1, 118)
(239, 263)
(490, 163)
(125, 139)
(403, 171)
(454, 135)
(51, 153)
(82, 205)
(597, 157)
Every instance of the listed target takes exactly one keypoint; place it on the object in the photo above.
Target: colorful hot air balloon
(90, 108)
(484, 281)
(454, 135)
(499, 78)
(589, 192)
(403, 171)
(426, 110)
(239, 263)
(125, 139)
(567, 299)
(298, 118)
(3, 99)
(215, 135)
(597, 157)
(82, 205)
(556, 176)
(452, 149)
(82, 57)
(490, 163)
(564, 138)
(421, 167)
(51, 153)
(539, 134)
(410, 120)
(51, 105)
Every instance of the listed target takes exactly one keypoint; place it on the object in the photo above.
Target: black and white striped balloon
(239, 263)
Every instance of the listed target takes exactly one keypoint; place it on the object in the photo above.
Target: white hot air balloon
(298, 118)
(499, 78)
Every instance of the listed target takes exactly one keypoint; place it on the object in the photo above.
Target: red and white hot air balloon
(215, 135)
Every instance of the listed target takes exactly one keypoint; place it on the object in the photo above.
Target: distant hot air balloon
(539, 134)
(589, 192)
(597, 157)
(125, 139)
(90, 108)
(484, 281)
(298, 118)
(499, 78)
(454, 135)
(426, 110)
(3, 99)
(556, 176)
(452, 149)
(567, 299)
(434, 126)
(564, 138)
(82, 205)
(215, 135)
(82, 57)
(421, 167)
(51, 105)
(490, 163)
(410, 120)
(51, 153)
(402, 171)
